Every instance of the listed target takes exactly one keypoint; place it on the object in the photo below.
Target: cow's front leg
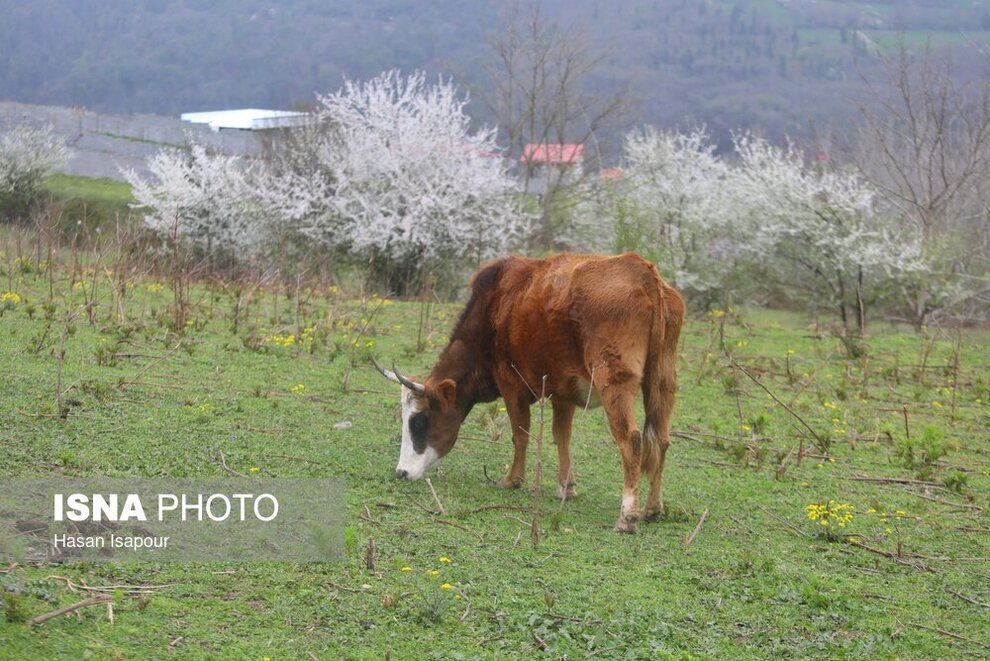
(519, 419)
(563, 415)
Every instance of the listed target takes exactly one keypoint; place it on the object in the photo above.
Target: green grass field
(897, 452)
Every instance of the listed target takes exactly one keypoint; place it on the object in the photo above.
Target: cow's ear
(445, 393)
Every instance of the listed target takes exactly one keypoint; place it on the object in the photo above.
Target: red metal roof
(544, 154)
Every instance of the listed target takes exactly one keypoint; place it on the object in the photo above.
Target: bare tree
(541, 94)
(924, 143)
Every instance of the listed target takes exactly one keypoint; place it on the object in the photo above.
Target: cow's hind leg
(563, 415)
(659, 400)
(618, 400)
(519, 419)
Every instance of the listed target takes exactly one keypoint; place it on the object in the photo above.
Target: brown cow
(596, 328)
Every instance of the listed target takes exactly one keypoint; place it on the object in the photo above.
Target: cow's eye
(417, 424)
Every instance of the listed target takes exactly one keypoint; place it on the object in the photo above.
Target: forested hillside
(778, 65)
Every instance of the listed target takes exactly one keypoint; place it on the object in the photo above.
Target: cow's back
(549, 314)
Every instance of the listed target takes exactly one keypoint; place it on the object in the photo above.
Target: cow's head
(430, 422)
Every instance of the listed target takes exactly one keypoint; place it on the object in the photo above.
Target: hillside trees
(27, 156)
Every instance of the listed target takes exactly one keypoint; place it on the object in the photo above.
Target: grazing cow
(594, 329)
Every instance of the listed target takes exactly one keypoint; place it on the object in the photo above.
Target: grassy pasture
(898, 438)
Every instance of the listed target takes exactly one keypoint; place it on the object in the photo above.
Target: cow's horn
(388, 374)
(417, 388)
(394, 375)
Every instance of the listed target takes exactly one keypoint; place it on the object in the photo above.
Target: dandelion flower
(446, 586)
(444, 558)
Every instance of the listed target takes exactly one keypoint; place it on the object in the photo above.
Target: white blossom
(395, 168)
(206, 199)
(27, 156)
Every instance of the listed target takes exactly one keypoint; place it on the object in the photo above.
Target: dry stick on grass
(949, 503)
(460, 527)
(63, 411)
(792, 527)
(538, 480)
(127, 589)
(697, 528)
(223, 463)
(967, 599)
(134, 381)
(949, 634)
(821, 442)
(91, 601)
(436, 497)
(345, 383)
(538, 477)
(920, 566)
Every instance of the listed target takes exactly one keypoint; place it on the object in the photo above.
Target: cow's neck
(464, 362)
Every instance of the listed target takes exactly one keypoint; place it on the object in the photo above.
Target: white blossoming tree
(392, 172)
(27, 156)
(820, 232)
(762, 224)
(684, 209)
(205, 200)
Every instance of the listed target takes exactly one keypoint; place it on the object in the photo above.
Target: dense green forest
(777, 65)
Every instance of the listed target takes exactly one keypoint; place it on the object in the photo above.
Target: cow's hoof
(653, 515)
(566, 491)
(626, 524)
(510, 482)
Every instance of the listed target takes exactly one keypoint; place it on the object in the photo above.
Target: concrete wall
(103, 144)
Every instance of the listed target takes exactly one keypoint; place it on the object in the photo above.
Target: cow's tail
(660, 377)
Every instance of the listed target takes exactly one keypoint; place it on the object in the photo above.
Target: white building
(246, 119)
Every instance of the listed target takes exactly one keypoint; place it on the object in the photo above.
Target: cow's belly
(587, 396)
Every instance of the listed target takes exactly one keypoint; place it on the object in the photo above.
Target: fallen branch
(343, 588)
(460, 527)
(791, 526)
(168, 354)
(900, 480)
(822, 443)
(967, 599)
(697, 528)
(223, 462)
(892, 556)
(949, 634)
(92, 601)
(435, 497)
(949, 503)
(128, 589)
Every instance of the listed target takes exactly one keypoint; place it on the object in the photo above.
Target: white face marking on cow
(412, 464)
